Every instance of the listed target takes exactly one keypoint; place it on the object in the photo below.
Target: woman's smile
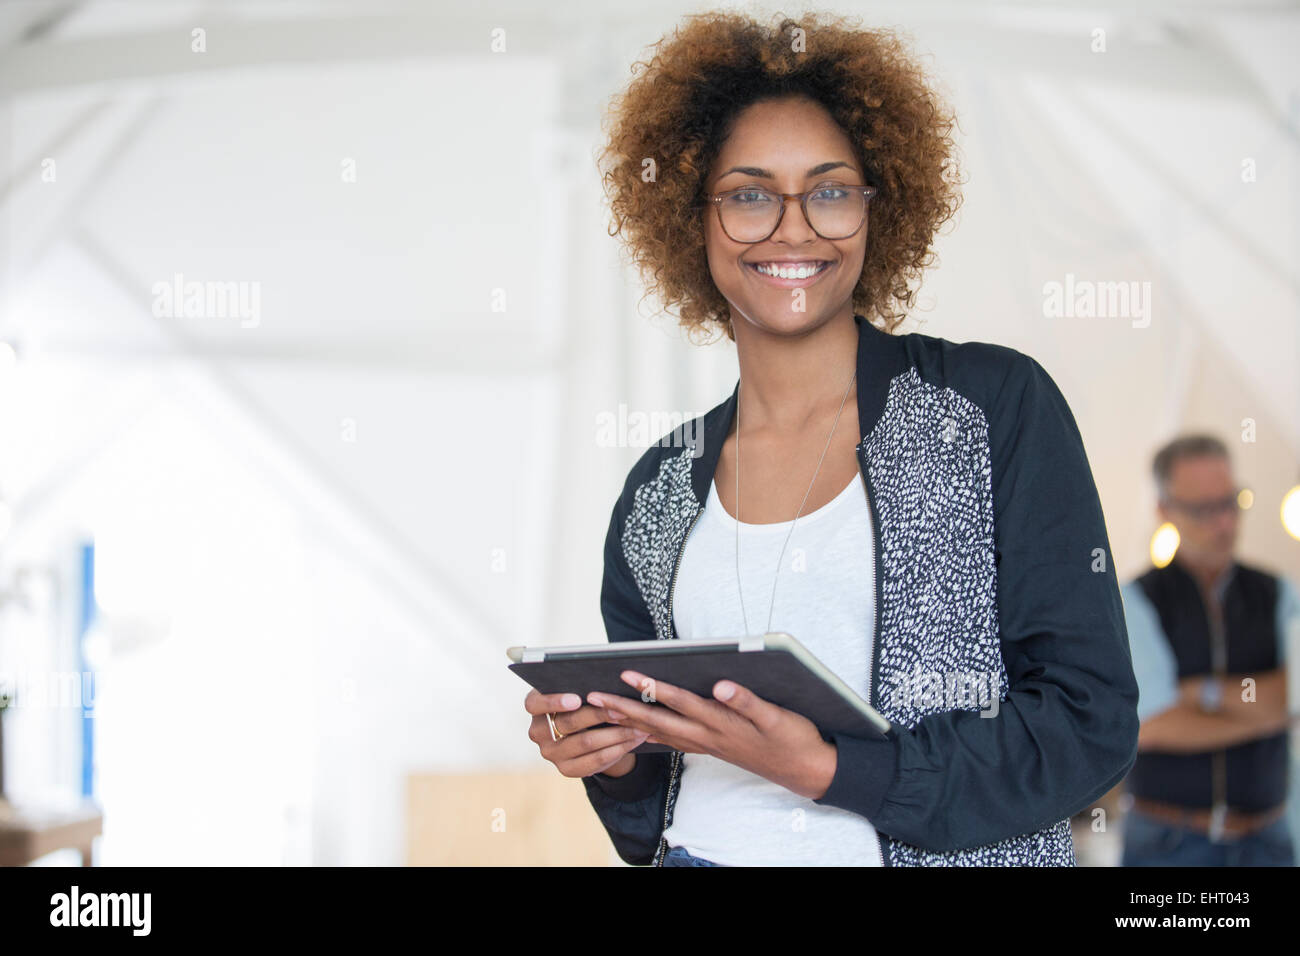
(790, 275)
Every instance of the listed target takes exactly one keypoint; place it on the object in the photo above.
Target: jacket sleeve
(1067, 730)
(630, 807)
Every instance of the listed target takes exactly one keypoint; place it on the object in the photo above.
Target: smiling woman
(784, 184)
(754, 249)
(878, 124)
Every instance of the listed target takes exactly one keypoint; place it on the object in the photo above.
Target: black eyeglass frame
(1205, 511)
(715, 200)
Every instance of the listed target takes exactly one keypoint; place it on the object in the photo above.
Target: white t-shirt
(825, 598)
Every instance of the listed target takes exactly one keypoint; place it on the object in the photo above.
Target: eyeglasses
(752, 214)
(1207, 510)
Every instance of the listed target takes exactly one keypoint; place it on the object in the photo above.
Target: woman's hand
(581, 752)
(737, 726)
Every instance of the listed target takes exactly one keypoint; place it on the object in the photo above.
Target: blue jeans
(677, 856)
(1152, 842)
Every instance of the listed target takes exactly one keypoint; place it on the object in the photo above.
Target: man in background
(1208, 637)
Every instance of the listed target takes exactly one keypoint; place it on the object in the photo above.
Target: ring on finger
(555, 734)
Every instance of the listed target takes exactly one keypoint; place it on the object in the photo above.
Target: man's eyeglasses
(1206, 510)
(752, 214)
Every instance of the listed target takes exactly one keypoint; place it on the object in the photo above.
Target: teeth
(801, 271)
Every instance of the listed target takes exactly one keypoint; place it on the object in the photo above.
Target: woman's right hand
(581, 752)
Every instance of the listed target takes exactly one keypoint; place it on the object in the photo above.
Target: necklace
(781, 558)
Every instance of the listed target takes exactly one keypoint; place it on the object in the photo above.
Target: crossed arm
(1185, 728)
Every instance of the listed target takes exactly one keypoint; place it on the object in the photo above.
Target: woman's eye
(830, 193)
(752, 196)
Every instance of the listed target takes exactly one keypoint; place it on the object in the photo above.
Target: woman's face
(789, 146)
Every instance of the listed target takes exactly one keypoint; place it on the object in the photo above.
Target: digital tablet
(774, 666)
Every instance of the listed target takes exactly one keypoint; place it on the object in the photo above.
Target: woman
(920, 514)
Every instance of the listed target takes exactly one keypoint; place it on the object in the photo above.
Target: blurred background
(262, 547)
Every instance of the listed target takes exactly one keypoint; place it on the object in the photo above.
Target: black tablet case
(775, 675)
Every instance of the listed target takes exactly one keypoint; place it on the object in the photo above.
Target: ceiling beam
(235, 43)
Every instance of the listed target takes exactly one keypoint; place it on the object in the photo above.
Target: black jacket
(992, 563)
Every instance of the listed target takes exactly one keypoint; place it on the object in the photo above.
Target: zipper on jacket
(1218, 667)
(677, 754)
(672, 587)
(873, 698)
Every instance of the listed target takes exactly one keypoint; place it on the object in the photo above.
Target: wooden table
(30, 832)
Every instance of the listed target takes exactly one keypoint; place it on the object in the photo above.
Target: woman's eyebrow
(767, 174)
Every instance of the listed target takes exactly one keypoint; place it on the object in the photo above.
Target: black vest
(1256, 769)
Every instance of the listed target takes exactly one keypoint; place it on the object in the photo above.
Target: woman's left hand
(738, 726)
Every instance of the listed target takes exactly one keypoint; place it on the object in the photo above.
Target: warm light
(1163, 544)
(1245, 498)
(1291, 512)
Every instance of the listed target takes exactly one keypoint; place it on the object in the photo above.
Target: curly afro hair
(680, 107)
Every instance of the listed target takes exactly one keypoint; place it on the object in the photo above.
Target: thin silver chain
(780, 559)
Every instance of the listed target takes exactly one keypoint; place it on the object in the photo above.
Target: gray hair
(1184, 446)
